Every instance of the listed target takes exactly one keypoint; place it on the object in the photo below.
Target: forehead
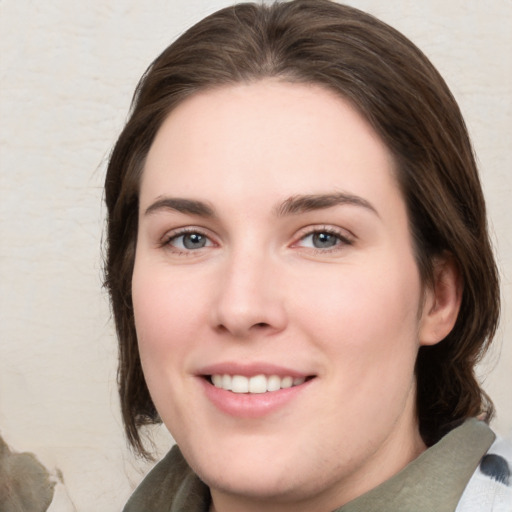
(269, 138)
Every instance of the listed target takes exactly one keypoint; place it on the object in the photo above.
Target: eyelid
(177, 232)
(345, 236)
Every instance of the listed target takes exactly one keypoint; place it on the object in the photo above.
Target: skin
(351, 314)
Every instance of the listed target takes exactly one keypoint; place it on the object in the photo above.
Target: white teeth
(226, 382)
(257, 384)
(287, 382)
(273, 383)
(239, 384)
(217, 380)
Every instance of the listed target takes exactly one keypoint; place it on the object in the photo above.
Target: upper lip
(251, 369)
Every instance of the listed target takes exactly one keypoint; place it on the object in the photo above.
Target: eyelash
(342, 239)
(167, 241)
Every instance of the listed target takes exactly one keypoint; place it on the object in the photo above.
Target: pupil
(323, 240)
(194, 241)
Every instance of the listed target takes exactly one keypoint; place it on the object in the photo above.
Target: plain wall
(68, 70)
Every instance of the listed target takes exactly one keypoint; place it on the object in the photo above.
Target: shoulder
(490, 487)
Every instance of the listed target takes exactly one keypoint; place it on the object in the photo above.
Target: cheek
(366, 314)
(168, 326)
(167, 317)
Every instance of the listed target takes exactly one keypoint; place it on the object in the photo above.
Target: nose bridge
(248, 298)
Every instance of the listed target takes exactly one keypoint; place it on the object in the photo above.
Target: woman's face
(274, 251)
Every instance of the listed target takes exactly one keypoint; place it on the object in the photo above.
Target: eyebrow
(306, 203)
(294, 205)
(187, 206)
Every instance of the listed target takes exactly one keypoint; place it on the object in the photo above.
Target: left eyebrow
(305, 203)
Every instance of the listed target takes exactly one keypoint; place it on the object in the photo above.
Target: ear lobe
(442, 302)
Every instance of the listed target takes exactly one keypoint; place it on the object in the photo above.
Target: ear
(441, 302)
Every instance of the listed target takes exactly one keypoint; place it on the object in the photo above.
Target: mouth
(257, 384)
(253, 390)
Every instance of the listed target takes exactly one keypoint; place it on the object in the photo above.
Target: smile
(257, 384)
(253, 390)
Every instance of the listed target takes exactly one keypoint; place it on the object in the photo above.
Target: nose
(250, 299)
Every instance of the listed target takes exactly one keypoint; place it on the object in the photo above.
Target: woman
(300, 270)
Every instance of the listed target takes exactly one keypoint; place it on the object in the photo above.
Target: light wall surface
(68, 69)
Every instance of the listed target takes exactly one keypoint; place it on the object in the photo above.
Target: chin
(255, 485)
(255, 474)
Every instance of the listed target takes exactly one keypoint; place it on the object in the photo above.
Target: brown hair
(396, 88)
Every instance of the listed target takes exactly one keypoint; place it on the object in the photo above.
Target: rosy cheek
(149, 311)
(165, 315)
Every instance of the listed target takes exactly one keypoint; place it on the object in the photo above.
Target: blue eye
(189, 241)
(323, 239)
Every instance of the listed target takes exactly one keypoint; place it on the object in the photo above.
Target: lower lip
(251, 405)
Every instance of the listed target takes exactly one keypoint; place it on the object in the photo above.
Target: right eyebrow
(181, 205)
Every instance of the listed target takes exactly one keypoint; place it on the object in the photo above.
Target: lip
(250, 370)
(251, 405)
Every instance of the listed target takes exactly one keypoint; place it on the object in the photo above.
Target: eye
(189, 241)
(323, 239)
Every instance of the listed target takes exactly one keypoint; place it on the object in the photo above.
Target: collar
(433, 481)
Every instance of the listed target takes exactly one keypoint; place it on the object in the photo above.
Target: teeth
(239, 384)
(256, 384)
(287, 382)
(226, 382)
(273, 383)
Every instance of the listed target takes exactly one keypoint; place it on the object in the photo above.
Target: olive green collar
(433, 481)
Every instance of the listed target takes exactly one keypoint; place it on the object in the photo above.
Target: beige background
(68, 69)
